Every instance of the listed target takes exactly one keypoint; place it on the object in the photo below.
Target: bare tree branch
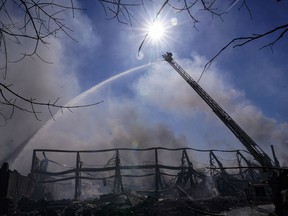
(241, 41)
(40, 21)
(119, 10)
(244, 3)
(32, 103)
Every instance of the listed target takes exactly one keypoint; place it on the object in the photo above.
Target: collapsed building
(161, 179)
(133, 178)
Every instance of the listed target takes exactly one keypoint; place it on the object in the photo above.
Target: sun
(156, 31)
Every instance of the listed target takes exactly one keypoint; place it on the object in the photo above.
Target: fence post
(33, 161)
(118, 185)
(77, 177)
(157, 175)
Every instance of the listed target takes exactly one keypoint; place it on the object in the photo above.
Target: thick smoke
(160, 109)
(43, 81)
(112, 124)
(164, 88)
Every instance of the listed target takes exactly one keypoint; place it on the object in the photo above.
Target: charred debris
(151, 181)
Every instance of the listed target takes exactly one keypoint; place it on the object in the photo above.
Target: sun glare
(156, 31)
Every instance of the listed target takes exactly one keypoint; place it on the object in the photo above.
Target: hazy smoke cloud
(159, 109)
(36, 79)
(164, 88)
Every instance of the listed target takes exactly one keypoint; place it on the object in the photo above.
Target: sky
(152, 105)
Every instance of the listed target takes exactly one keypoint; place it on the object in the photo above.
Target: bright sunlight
(156, 31)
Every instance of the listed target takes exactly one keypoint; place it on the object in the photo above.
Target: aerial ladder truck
(259, 155)
(280, 180)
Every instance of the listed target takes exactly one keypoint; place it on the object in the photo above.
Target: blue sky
(259, 73)
(250, 84)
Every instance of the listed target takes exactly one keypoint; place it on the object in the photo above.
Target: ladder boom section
(243, 137)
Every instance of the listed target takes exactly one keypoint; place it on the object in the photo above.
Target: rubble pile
(122, 206)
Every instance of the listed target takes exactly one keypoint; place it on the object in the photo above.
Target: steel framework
(180, 175)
